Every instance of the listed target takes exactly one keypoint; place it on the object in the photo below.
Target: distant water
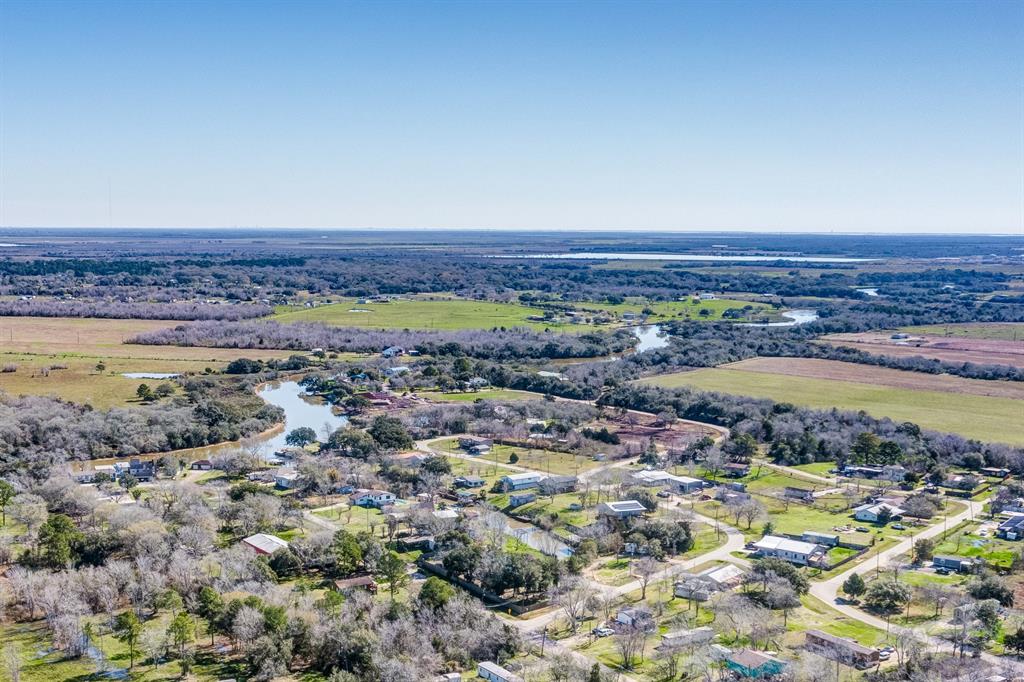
(649, 337)
(795, 317)
(691, 257)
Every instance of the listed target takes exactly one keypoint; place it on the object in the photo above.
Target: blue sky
(814, 116)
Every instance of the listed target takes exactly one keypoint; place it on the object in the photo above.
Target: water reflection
(300, 409)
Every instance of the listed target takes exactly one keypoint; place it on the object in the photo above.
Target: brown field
(638, 427)
(949, 349)
(879, 376)
(90, 337)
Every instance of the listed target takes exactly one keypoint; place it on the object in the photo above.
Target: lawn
(547, 461)
(82, 383)
(983, 417)
(487, 394)
(996, 331)
(423, 314)
(967, 543)
(817, 468)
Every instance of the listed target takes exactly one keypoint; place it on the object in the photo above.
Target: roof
(750, 659)
(358, 581)
(774, 542)
(446, 514)
(496, 669)
(816, 534)
(529, 476)
(265, 542)
(656, 476)
(625, 506)
(842, 641)
(1015, 522)
(877, 508)
(723, 573)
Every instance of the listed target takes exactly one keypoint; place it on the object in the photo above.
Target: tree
(58, 538)
(6, 495)
(854, 586)
(574, 595)
(101, 367)
(389, 433)
(128, 629)
(865, 448)
(1014, 641)
(924, 549)
(765, 570)
(211, 607)
(513, 458)
(645, 570)
(595, 673)
(145, 393)
(991, 587)
(300, 437)
(887, 596)
(435, 593)
(392, 569)
(347, 552)
(629, 640)
(182, 632)
(782, 596)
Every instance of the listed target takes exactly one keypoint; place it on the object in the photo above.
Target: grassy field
(547, 461)
(103, 338)
(488, 394)
(665, 310)
(967, 543)
(82, 383)
(423, 314)
(1000, 331)
(982, 417)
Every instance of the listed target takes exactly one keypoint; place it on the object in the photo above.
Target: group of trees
(133, 310)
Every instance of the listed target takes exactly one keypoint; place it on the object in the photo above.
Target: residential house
(469, 481)
(679, 638)
(1012, 528)
(802, 494)
(492, 672)
(873, 512)
(701, 586)
(736, 469)
(423, 543)
(411, 459)
(841, 649)
(359, 582)
(446, 514)
(754, 664)
(519, 499)
(395, 371)
(530, 479)
(467, 442)
(265, 544)
(826, 539)
(449, 677)
(393, 351)
(376, 398)
(954, 563)
(793, 551)
(995, 472)
(622, 509)
(201, 465)
(554, 485)
(286, 479)
(681, 484)
(372, 498)
(635, 616)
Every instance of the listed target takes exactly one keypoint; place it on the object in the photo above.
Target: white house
(682, 484)
(492, 672)
(700, 586)
(622, 509)
(286, 478)
(687, 637)
(635, 615)
(264, 543)
(522, 481)
(794, 551)
(872, 512)
(372, 498)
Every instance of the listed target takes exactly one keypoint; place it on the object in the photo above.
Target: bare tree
(645, 569)
(629, 641)
(575, 596)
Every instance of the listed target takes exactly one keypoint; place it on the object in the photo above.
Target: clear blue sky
(854, 116)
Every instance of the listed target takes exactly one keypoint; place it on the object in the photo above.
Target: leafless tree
(644, 569)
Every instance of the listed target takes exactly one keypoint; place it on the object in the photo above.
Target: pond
(649, 337)
(300, 409)
(794, 317)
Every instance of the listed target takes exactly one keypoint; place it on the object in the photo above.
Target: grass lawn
(424, 314)
(817, 615)
(1001, 331)
(968, 543)
(666, 310)
(488, 394)
(547, 461)
(975, 416)
(816, 468)
(81, 383)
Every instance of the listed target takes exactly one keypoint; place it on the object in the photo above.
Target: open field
(974, 416)
(82, 383)
(836, 370)
(950, 349)
(424, 314)
(997, 331)
(103, 338)
(547, 461)
(486, 394)
(666, 310)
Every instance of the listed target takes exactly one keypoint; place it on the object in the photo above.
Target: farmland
(950, 349)
(973, 416)
(1008, 331)
(710, 310)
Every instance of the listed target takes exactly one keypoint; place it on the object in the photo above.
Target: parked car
(602, 631)
(898, 526)
(884, 655)
(664, 493)
(942, 570)
(862, 529)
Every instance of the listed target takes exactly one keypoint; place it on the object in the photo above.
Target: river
(795, 317)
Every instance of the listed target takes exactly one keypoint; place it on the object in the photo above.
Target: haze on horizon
(818, 117)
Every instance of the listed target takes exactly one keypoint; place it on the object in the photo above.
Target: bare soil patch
(949, 349)
(637, 427)
(881, 376)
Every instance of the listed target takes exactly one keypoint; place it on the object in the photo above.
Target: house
(492, 672)
(359, 582)
(519, 499)
(469, 481)
(395, 371)
(995, 472)
(686, 637)
(468, 442)
(955, 563)
(201, 465)
(701, 586)
(681, 484)
(754, 664)
(530, 479)
(736, 469)
(1012, 528)
(372, 498)
(411, 459)
(802, 494)
(423, 543)
(393, 351)
(729, 496)
(449, 677)
(793, 551)
(622, 509)
(635, 616)
(826, 539)
(554, 485)
(286, 479)
(841, 649)
(477, 382)
(872, 512)
(706, 296)
(446, 514)
(264, 544)
(375, 398)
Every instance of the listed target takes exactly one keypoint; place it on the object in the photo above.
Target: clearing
(974, 416)
(950, 349)
(995, 331)
(661, 311)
